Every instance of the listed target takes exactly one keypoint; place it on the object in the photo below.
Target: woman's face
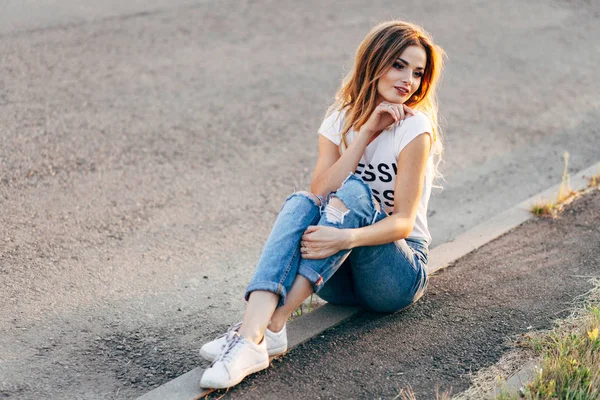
(403, 78)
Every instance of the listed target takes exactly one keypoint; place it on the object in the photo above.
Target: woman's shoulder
(412, 127)
(332, 125)
(335, 116)
(418, 123)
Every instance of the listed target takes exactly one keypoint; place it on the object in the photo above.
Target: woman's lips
(401, 91)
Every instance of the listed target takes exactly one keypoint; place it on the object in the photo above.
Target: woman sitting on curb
(361, 237)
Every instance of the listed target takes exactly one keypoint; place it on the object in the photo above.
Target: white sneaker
(276, 343)
(239, 358)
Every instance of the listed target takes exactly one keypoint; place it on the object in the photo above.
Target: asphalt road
(148, 146)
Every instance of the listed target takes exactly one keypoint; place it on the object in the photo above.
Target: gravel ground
(147, 149)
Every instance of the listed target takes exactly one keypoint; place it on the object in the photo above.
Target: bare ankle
(276, 325)
(251, 335)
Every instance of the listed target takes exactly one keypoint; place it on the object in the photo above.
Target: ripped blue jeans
(382, 278)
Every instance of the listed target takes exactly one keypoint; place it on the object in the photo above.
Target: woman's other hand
(320, 242)
(384, 115)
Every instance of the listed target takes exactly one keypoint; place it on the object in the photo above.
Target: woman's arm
(332, 169)
(412, 162)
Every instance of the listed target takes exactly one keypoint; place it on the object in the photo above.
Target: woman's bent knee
(335, 211)
(316, 199)
(355, 195)
(354, 184)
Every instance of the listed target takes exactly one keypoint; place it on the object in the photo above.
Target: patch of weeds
(564, 197)
(547, 208)
(490, 382)
(306, 307)
(299, 311)
(409, 394)
(570, 367)
(570, 358)
(595, 180)
(504, 395)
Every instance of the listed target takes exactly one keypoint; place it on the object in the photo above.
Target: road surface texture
(148, 146)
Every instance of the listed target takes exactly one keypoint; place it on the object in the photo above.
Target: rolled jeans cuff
(267, 287)
(313, 277)
(318, 279)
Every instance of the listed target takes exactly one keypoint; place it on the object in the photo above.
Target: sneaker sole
(272, 353)
(277, 351)
(230, 383)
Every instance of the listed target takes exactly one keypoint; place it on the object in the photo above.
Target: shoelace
(232, 329)
(231, 347)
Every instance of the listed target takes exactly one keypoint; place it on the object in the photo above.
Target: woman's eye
(397, 65)
(418, 74)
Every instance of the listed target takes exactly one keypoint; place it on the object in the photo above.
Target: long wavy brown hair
(375, 55)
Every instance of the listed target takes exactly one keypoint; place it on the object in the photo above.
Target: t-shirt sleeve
(331, 127)
(411, 128)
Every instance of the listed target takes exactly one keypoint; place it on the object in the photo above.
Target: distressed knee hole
(312, 196)
(335, 211)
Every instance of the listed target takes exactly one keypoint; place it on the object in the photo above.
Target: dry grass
(570, 354)
(487, 382)
(565, 193)
(595, 180)
(310, 304)
(569, 357)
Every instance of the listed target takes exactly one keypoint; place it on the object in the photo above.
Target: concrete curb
(448, 252)
(516, 383)
(185, 387)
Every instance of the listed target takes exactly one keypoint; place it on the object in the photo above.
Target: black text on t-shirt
(383, 172)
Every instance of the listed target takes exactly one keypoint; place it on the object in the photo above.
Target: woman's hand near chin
(384, 115)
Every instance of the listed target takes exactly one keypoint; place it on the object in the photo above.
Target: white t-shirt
(379, 163)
